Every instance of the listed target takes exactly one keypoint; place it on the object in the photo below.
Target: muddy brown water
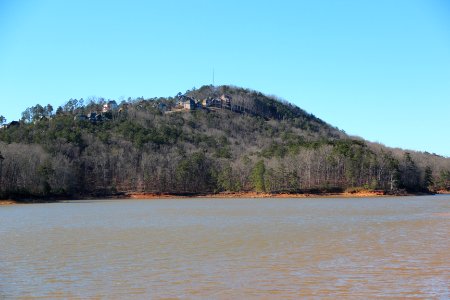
(227, 249)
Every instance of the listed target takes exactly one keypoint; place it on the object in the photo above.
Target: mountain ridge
(244, 141)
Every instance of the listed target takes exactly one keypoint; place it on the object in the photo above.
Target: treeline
(142, 149)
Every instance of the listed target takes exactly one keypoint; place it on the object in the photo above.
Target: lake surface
(227, 249)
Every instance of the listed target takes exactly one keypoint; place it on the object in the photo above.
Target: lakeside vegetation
(149, 146)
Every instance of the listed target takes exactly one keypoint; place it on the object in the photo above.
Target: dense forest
(155, 146)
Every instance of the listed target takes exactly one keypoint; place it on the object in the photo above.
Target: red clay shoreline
(359, 194)
(154, 196)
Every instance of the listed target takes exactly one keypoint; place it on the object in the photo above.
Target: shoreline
(242, 195)
(224, 195)
(8, 202)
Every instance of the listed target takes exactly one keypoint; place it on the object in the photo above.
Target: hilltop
(207, 140)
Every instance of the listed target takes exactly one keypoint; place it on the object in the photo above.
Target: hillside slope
(156, 146)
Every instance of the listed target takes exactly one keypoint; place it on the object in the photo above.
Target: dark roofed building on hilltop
(186, 102)
(13, 124)
(110, 106)
(189, 104)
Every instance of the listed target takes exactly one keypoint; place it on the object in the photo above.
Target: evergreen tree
(257, 176)
(428, 178)
(410, 175)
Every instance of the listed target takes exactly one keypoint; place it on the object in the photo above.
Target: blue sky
(376, 69)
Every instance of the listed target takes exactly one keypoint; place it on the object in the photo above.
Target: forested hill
(208, 140)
